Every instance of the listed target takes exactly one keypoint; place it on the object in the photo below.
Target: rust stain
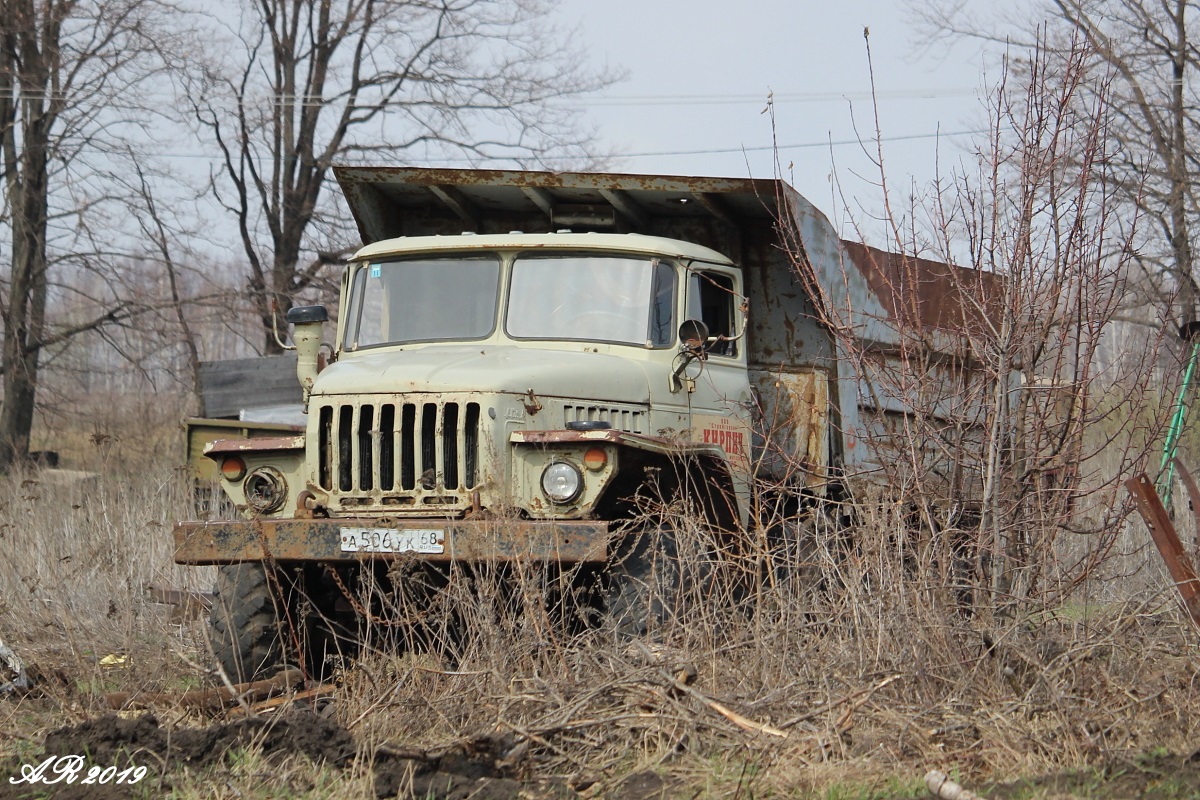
(795, 409)
(306, 501)
(254, 445)
(655, 444)
(530, 401)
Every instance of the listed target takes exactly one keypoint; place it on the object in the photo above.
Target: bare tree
(1003, 435)
(1150, 49)
(313, 82)
(69, 74)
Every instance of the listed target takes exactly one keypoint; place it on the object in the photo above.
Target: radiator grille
(398, 447)
(620, 419)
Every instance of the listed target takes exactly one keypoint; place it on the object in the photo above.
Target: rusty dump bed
(827, 404)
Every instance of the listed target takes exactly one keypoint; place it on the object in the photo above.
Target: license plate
(389, 540)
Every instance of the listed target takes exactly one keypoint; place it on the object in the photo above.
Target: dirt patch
(113, 740)
(118, 742)
(485, 768)
(444, 781)
(640, 786)
(1158, 776)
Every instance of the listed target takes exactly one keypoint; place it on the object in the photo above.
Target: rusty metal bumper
(228, 542)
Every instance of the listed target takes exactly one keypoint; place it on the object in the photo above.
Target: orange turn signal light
(595, 458)
(233, 468)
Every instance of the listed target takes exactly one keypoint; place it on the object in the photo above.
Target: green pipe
(1166, 470)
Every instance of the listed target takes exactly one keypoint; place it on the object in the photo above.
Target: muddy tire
(644, 583)
(244, 625)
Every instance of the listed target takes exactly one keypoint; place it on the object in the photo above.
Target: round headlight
(562, 482)
(265, 490)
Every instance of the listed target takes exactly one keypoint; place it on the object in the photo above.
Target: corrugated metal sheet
(228, 387)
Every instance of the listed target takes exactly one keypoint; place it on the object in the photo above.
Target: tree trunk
(24, 316)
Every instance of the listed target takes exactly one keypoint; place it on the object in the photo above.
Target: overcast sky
(700, 72)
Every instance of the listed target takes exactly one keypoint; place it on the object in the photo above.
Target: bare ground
(645, 731)
(872, 680)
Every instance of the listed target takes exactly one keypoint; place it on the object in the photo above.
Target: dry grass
(861, 653)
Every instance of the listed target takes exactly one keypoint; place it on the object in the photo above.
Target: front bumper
(230, 542)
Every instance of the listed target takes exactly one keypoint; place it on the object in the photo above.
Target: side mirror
(693, 333)
(308, 322)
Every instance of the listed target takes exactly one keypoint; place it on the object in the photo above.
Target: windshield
(622, 299)
(597, 298)
(423, 300)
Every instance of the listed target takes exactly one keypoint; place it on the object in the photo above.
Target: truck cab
(457, 358)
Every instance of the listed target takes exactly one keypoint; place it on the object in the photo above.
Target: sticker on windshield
(376, 271)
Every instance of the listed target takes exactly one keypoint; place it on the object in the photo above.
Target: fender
(709, 466)
(269, 445)
(279, 458)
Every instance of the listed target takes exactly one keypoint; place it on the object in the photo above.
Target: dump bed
(823, 402)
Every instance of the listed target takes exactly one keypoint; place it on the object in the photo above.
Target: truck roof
(563, 241)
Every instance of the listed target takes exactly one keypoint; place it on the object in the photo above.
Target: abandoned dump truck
(522, 359)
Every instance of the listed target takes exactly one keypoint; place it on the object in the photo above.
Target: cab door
(718, 396)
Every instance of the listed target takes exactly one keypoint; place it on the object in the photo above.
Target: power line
(660, 153)
(778, 98)
(579, 101)
(804, 145)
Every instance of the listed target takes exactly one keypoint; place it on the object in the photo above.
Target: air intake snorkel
(308, 322)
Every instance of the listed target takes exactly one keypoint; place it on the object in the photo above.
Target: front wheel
(244, 624)
(644, 583)
(262, 620)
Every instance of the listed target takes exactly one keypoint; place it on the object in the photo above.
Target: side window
(369, 325)
(662, 307)
(711, 299)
